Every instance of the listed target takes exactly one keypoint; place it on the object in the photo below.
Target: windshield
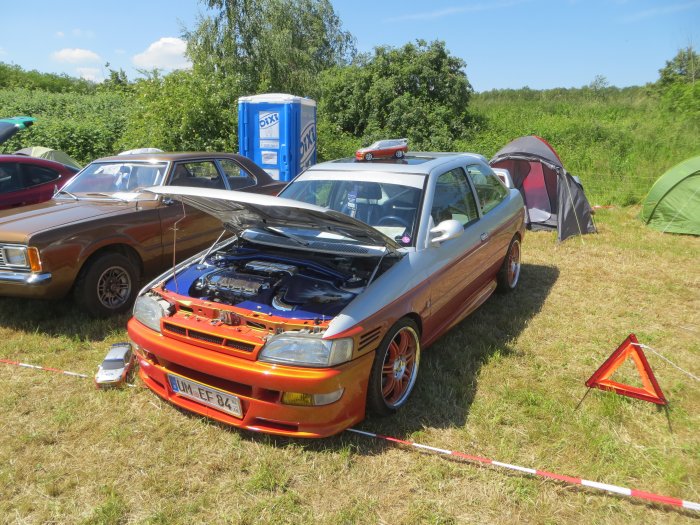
(390, 208)
(112, 177)
(112, 364)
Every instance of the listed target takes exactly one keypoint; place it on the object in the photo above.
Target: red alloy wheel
(400, 367)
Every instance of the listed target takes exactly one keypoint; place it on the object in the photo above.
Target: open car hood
(240, 211)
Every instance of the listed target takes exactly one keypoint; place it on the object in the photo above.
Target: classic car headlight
(148, 310)
(15, 256)
(305, 349)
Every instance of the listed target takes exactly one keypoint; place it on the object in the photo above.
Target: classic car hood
(16, 225)
(247, 210)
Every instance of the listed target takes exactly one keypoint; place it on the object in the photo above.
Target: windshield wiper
(59, 192)
(108, 195)
(281, 233)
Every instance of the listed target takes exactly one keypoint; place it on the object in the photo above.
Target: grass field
(503, 384)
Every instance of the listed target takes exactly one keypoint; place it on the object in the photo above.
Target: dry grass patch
(503, 384)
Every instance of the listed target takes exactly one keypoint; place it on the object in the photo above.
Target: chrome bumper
(25, 278)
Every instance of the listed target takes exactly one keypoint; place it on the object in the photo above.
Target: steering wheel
(392, 218)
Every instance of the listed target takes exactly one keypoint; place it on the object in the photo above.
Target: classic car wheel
(395, 369)
(399, 154)
(107, 285)
(509, 274)
(368, 156)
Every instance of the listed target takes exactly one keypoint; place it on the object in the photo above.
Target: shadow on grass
(447, 382)
(56, 318)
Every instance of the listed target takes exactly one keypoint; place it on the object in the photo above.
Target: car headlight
(22, 257)
(149, 309)
(15, 256)
(305, 349)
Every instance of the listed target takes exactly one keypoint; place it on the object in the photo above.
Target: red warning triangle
(629, 348)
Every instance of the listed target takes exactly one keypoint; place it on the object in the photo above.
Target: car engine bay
(316, 285)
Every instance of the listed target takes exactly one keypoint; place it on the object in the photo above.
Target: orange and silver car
(317, 308)
(383, 149)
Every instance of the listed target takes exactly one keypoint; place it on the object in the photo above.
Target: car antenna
(174, 228)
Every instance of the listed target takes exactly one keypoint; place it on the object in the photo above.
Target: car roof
(260, 174)
(26, 159)
(168, 157)
(415, 162)
(117, 352)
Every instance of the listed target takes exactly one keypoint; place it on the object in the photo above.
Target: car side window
(200, 174)
(35, 175)
(9, 177)
(488, 186)
(235, 176)
(453, 199)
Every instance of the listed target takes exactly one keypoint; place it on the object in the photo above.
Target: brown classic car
(101, 234)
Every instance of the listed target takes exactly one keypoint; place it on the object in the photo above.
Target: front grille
(174, 328)
(238, 345)
(208, 338)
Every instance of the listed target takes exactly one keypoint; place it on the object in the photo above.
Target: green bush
(85, 126)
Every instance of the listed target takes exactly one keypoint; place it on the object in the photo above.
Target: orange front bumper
(258, 385)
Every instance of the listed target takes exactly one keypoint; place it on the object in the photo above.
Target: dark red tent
(553, 197)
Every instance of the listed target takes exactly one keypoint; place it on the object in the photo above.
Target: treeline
(616, 140)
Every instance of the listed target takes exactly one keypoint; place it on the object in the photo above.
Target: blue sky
(506, 43)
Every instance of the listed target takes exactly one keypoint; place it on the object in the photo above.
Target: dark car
(100, 234)
(27, 180)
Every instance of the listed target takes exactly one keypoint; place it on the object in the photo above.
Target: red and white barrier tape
(48, 369)
(634, 493)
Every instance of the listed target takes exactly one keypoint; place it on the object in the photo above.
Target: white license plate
(206, 395)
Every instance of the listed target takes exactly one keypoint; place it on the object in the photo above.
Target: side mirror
(446, 230)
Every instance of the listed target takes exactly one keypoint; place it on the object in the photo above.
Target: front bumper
(24, 284)
(258, 385)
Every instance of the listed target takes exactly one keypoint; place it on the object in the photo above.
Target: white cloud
(75, 55)
(166, 53)
(60, 34)
(93, 74)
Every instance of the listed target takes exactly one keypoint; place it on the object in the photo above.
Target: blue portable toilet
(278, 132)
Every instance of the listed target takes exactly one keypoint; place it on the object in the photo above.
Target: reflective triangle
(630, 348)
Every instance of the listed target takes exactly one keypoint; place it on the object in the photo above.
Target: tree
(677, 83)
(683, 68)
(182, 111)
(418, 91)
(269, 45)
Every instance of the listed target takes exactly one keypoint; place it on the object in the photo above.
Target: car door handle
(484, 237)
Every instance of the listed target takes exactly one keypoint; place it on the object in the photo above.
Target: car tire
(369, 156)
(399, 154)
(395, 369)
(509, 274)
(107, 285)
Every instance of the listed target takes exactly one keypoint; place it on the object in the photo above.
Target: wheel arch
(120, 248)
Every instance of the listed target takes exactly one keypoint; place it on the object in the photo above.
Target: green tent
(673, 203)
(41, 152)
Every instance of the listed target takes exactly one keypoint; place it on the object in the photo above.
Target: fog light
(308, 400)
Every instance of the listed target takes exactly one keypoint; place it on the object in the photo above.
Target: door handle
(484, 237)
